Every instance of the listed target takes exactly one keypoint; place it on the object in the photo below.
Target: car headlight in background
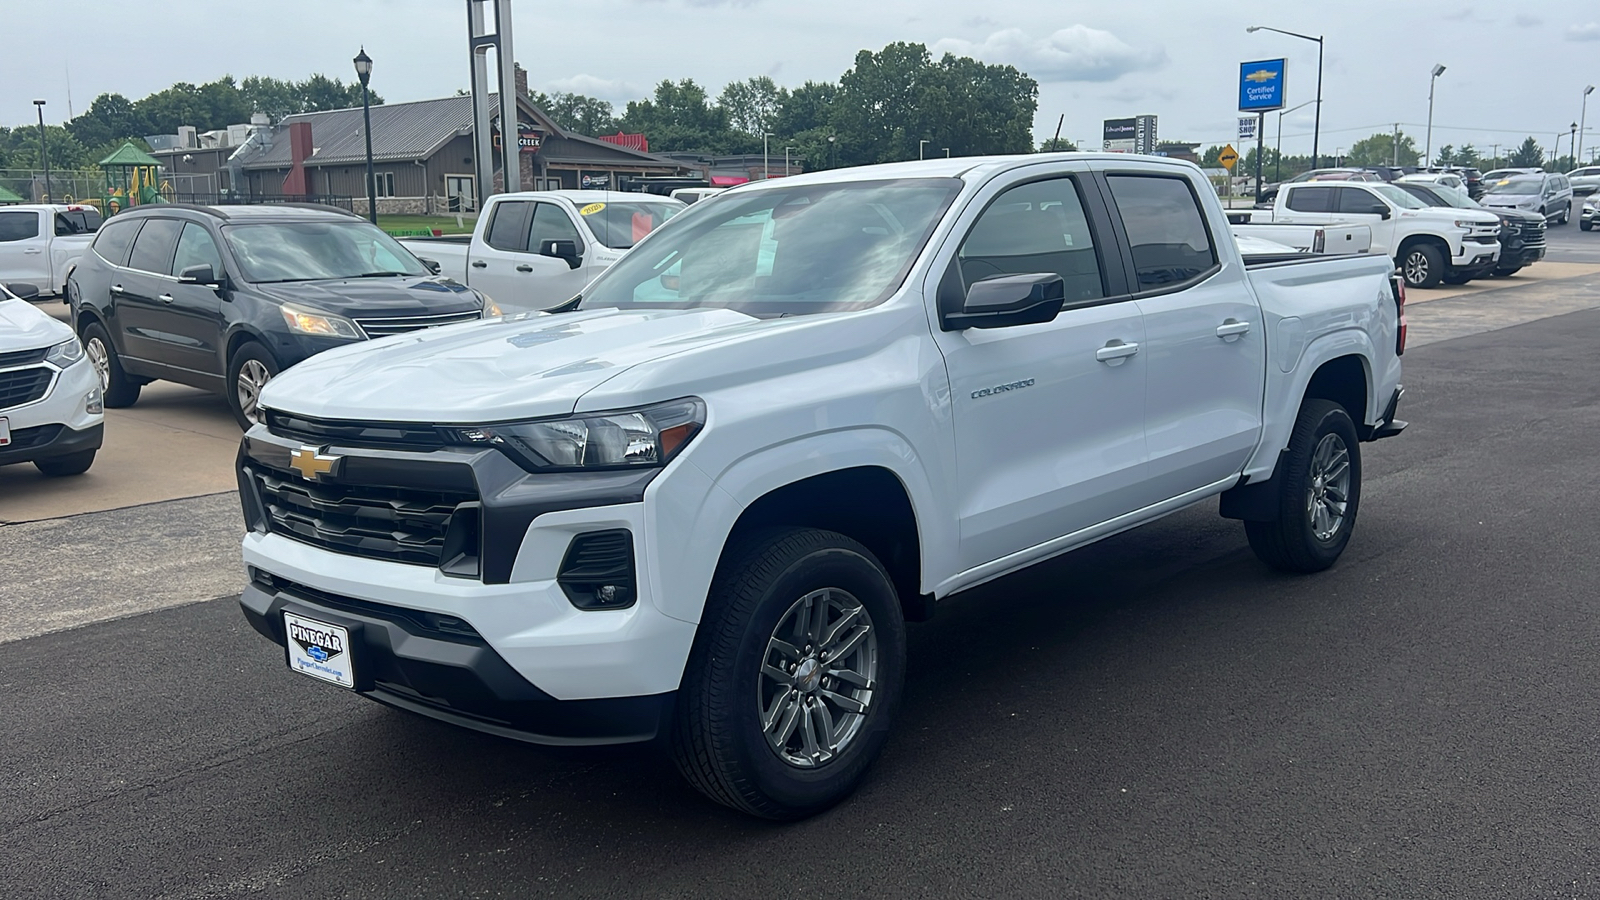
(625, 439)
(304, 321)
(491, 309)
(65, 353)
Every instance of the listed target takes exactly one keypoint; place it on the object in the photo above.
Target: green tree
(273, 96)
(807, 107)
(1446, 156)
(20, 149)
(679, 117)
(751, 105)
(1529, 154)
(1383, 149)
(1468, 156)
(577, 112)
(109, 117)
(1055, 145)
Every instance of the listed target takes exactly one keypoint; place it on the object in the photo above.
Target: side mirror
(1010, 300)
(23, 290)
(201, 274)
(1383, 213)
(567, 250)
(432, 265)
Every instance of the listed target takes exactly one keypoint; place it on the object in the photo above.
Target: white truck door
(557, 280)
(1206, 356)
(492, 261)
(1360, 206)
(1048, 419)
(25, 248)
(1306, 204)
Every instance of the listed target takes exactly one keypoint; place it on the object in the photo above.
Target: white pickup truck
(1428, 244)
(40, 243)
(534, 249)
(701, 500)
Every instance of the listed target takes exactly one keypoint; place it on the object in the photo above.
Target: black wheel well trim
(869, 504)
(88, 315)
(1346, 381)
(1415, 239)
(237, 338)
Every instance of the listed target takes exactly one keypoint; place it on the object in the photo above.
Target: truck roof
(956, 167)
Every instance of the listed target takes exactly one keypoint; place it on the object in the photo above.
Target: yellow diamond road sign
(1228, 157)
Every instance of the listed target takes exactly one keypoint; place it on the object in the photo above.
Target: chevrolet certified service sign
(1261, 85)
(319, 649)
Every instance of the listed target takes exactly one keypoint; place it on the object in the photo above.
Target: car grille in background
(377, 328)
(395, 524)
(20, 386)
(1526, 234)
(22, 357)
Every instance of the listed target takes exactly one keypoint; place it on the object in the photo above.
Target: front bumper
(59, 422)
(1475, 257)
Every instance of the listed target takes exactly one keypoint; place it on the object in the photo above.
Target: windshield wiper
(379, 275)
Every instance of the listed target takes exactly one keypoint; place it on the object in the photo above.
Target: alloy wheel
(101, 360)
(253, 376)
(1416, 267)
(818, 676)
(1328, 487)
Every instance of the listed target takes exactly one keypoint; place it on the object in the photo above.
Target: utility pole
(44, 151)
(1396, 160)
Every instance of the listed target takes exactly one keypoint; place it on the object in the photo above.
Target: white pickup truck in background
(40, 243)
(1321, 239)
(1428, 244)
(535, 249)
(702, 500)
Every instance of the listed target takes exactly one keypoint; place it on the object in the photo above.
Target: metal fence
(219, 199)
(66, 185)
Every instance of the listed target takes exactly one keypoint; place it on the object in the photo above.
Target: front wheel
(249, 370)
(1319, 493)
(1422, 266)
(794, 677)
(120, 391)
(1585, 226)
(68, 464)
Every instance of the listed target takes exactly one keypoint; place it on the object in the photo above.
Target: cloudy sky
(1514, 69)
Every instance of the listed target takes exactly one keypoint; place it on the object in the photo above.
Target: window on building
(385, 184)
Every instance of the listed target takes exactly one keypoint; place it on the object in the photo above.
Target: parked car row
(1522, 233)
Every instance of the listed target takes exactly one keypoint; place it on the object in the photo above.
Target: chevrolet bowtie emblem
(311, 464)
(1260, 75)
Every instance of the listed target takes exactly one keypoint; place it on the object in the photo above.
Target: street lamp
(920, 144)
(44, 150)
(946, 152)
(1571, 141)
(364, 72)
(1427, 156)
(1277, 171)
(786, 161)
(833, 158)
(1316, 131)
(766, 158)
(1583, 119)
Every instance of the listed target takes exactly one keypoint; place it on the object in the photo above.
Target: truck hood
(375, 297)
(524, 366)
(25, 327)
(1450, 214)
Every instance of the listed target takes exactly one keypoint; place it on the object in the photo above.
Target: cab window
(1166, 231)
(1310, 199)
(1039, 227)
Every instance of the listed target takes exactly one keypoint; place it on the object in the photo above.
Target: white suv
(50, 405)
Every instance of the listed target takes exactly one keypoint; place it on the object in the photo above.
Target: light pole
(1571, 143)
(1427, 156)
(1277, 171)
(833, 158)
(1316, 131)
(766, 158)
(920, 144)
(786, 161)
(364, 72)
(946, 152)
(1583, 120)
(44, 150)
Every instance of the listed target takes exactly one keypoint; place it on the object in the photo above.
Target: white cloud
(611, 89)
(1589, 32)
(1079, 53)
(1523, 20)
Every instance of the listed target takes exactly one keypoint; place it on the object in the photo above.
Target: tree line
(112, 118)
(1389, 148)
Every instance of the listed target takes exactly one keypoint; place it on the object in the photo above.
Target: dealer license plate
(319, 649)
(5, 431)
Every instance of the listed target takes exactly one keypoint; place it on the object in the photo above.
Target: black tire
(1290, 543)
(120, 390)
(1422, 266)
(244, 381)
(1506, 273)
(718, 739)
(1585, 226)
(1456, 278)
(69, 464)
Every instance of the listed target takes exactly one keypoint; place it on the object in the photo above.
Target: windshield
(1397, 196)
(307, 251)
(1526, 184)
(623, 223)
(783, 251)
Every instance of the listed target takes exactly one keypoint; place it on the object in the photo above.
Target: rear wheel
(794, 677)
(68, 464)
(249, 369)
(1319, 493)
(119, 389)
(1422, 266)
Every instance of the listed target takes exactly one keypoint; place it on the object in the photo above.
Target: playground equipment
(133, 178)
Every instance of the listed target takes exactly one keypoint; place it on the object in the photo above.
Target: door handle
(524, 268)
(1114, 352)
(32, 251)
(165, 298)
(1231, 329)
(479, 264)
(116, 289)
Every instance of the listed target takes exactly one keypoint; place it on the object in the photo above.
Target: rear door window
(114, 239)
(1310, 199)
(509, 228)
(1035, 228)
(196, 247)
(1166, 231)
(1354, 201)
(18, 226)
(152, 251)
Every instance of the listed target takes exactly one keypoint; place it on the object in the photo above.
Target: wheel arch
(1438, 242)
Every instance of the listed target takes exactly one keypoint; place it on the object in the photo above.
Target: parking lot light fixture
(920, 144)
(1427, 155)
(766, 158)
(44, 150)
(364, 72)
(1277, 171)
(1316, 129)
(1583, 119)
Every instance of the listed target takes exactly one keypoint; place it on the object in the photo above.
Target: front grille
(377, 328)
(20, 386)
(23, 357)
(406, 525)
(408, 435)
(38, 436)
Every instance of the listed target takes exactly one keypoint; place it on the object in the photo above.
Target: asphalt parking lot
(1155, 716)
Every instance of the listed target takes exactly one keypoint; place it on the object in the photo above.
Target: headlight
(65, 353)
(304, 321)
(491, 309)
(646, 437)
